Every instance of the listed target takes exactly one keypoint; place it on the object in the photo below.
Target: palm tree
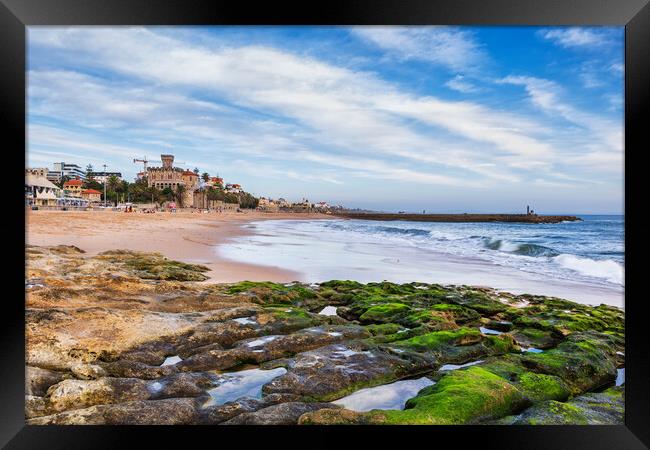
(179, 194)
(205, 176)
(112, 183)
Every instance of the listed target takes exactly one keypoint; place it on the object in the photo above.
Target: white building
(233, 188)
(63, 169)
(40, 191)
(102, 177)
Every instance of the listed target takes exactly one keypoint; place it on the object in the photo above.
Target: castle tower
(167, 161)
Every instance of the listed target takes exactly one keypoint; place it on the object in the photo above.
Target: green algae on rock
(596, 408)
(155, 266)
(100, 330)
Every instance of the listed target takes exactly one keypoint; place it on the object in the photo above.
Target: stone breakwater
(131, 338)
(515, 218)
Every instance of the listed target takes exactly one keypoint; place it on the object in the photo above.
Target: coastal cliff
(127, 337)
(519, 218)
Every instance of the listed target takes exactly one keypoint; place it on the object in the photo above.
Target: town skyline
(439, 118)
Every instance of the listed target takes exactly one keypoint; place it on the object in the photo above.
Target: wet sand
(184, 236)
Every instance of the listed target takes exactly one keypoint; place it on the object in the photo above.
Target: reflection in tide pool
(245, 383)
(328, 311)
(620, 376)
(388, 396)
(531, 350)
(489, 331)
(171, 360)
(459, 366)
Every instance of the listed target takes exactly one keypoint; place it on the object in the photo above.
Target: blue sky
(446, 119)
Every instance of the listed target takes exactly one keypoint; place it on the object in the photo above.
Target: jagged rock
(38, 380)
(35, 406)
(88, 371)
(69, 394)
(267, 348)
(333, 371)
(175, 411)
(281, 414)
(604, 408)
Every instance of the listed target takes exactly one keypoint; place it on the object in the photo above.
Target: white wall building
(40, 191)
(101, 177)
(69, 170)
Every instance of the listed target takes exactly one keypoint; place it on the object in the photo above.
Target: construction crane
(145, 161)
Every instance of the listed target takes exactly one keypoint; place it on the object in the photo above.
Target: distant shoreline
(184, 236)
(513, 218)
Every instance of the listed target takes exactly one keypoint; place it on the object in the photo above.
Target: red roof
(73, 183)
(189, 172)
(90, 191)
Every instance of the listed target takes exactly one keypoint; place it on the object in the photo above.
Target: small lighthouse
(527, 210)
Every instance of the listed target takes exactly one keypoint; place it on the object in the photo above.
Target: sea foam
(611, 271)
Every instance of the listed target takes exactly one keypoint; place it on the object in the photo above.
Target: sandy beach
(184, 236)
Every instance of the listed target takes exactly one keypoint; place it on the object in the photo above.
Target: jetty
(516, 218)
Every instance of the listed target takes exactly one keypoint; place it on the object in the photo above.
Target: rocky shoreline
(126, 337)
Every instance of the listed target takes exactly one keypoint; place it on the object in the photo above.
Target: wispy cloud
(263, 111)
(596, 135)
(577, 37)
(458, 83)
(450, 47)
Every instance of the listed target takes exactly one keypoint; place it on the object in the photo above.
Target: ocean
(581, 261)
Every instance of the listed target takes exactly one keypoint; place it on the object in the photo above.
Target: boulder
(281, 414)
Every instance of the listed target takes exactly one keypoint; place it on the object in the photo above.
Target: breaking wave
(607, 269)
(520, 249)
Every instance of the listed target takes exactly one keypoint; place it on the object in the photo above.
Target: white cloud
(310, 111)
(458, 84)
(595, 136)
(447, 46)
(576, 37)
(617, 68)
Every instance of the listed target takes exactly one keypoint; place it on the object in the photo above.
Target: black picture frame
(16, 15)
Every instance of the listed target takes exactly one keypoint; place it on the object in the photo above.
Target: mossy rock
(342, 285)
(289, 319)
(384, 329)
(603, 408)
(539, 386)
(268, 293)
(585, 361)
(438, 339)
(500, 344)
(481, 302)
(500, 325)
(457, 346)
(434, 320)
(154, 266)
(400, 335)
(460, 314)
(533, 337)
(461, 397)
(385, 313)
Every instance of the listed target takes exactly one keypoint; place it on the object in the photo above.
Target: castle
(172, 177)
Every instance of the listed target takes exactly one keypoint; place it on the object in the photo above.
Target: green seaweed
(460, 397)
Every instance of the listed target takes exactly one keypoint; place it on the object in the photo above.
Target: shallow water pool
(242, 384)
(388, 396)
